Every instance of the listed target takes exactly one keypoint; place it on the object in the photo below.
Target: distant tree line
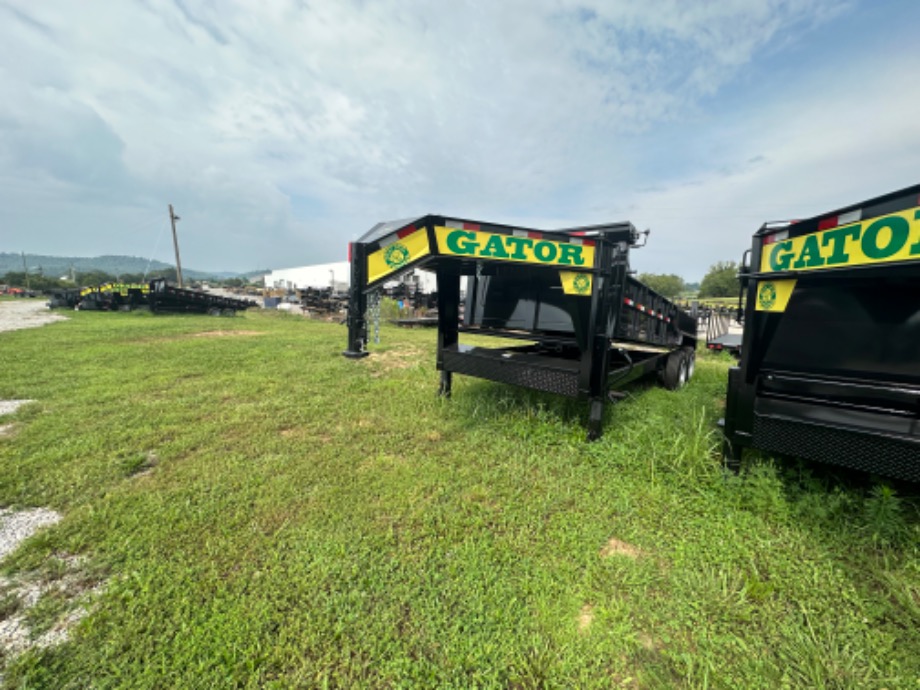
(40, 282)
(720, 281)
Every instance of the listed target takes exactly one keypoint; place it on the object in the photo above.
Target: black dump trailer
(830, 361)
(576, 322)
(64, 298)
(164, 297)
(158, 295)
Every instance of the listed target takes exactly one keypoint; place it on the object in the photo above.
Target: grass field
(243, 507)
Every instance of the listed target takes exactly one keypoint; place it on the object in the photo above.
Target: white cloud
(282, 129)
(825, 145)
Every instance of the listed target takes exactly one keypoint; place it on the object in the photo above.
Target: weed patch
(615, 547)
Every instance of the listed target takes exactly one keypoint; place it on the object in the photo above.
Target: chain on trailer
(373, 310)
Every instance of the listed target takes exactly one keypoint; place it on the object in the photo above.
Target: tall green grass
(262, 512)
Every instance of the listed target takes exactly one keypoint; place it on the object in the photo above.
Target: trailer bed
(730, 342)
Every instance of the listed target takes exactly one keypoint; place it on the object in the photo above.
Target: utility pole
(25, 270)
(172, 219)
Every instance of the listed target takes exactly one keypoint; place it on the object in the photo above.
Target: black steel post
(357, 304)
(448, 320)
(595, 361)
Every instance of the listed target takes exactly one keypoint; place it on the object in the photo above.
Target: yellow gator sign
(119, 288)
(413, 245)
(395, 255)
(895, 237)
(528, 250)
(774, 295)
(576, 283)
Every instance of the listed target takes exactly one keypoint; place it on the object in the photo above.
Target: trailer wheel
(675, 371)
(691, 361)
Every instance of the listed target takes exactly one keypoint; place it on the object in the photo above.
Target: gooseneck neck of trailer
(582, 258)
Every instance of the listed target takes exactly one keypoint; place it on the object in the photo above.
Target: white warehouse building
(338, 276)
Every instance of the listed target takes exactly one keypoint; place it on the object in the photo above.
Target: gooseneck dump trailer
(830, 361)
(575, 320)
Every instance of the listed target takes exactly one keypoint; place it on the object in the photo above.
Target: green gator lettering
(781, 256)
(915, 249)
(489, 245)
(494, 247)
(838, 239)
(570, 255)
(900, 229)
(517, 246)
(545, 251)
(468, 247)
(811, 254)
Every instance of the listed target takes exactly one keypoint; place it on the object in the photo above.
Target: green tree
(721, 280)
(35, 281)
(94, 278)
(665, 284)
(14, 279)
(168, 273)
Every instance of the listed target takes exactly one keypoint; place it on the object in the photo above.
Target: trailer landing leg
(446, 382)
(595, 419)
(731, 457)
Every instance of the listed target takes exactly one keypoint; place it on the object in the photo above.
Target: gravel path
(26, 313)
(10, 406)
(17, 526)
(15, 631)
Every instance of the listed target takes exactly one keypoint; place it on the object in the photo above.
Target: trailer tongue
(830, 363)
(589, 326)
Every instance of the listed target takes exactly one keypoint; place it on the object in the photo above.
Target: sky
(282, 129)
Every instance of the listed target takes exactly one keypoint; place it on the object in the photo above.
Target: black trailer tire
(675, 371)
(691, 361)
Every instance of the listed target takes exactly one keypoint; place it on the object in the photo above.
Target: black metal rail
(164, 297)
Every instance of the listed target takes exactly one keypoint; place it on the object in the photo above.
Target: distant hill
(57, 266)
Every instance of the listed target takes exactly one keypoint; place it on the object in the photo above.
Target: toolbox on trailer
(577, 323)
(830, 361)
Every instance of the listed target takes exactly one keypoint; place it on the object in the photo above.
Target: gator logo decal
(766, 296)
(396, 252)
(895, 237)
(396, 256)
(774, 295)
(576, 283)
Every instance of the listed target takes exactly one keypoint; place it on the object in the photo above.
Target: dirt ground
(26, 313)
